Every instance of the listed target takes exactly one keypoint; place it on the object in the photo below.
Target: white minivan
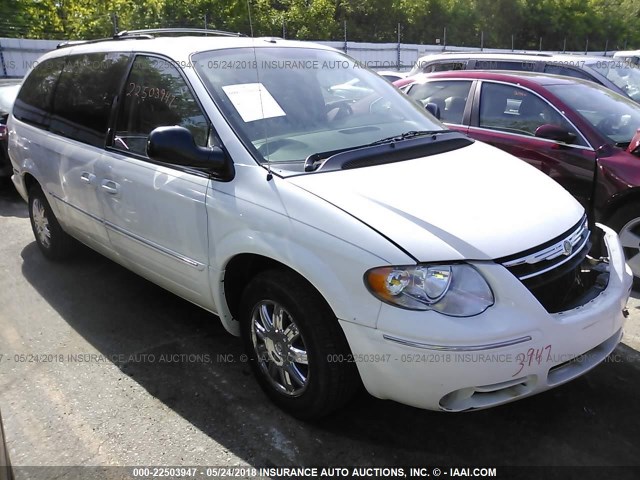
(348, 239)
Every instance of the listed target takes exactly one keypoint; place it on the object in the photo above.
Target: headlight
(458, 290)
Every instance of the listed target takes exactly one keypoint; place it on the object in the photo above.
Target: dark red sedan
(579, 133)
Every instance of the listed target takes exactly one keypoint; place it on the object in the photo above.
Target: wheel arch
(241, 268)
(631, 195)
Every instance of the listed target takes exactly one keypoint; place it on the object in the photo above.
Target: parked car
(577, 132)
(345, 241)
(631, 57)
(8, 91)
(609, 72)
(392, 75)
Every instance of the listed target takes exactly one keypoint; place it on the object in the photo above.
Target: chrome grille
(572, 246)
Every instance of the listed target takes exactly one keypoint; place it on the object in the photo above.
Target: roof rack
(476, 52)
(150, 33)
(185, 31)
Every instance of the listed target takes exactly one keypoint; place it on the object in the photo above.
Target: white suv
(347, 239)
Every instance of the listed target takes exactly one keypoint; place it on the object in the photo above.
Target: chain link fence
(18, 55)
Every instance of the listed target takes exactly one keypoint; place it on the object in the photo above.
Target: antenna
(250, 23)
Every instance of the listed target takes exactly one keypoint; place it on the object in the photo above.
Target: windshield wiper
(314, 161)
(407, 135)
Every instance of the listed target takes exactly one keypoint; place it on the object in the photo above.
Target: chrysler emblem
(567, 248)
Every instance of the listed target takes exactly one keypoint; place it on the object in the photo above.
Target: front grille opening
(563, 282)
(572, 289)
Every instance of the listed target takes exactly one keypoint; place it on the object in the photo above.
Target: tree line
(522, 24)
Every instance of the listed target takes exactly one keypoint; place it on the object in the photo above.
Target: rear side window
(156, 95)
(449, 96)
(85, 94)
(517, 66)
(567, 72)
(34, 101)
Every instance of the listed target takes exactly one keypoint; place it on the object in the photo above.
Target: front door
(155, 213)
(507, 116)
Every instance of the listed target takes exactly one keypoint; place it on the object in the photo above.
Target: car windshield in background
(622, 74)
(8, 95)
(612, 114)
(292, 103)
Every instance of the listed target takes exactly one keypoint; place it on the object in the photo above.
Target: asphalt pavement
(100, 367)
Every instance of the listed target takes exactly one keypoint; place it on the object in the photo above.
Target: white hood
(475, 202)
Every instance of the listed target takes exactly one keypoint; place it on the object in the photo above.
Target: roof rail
(150, 33)
(476, 52)
(184, 31)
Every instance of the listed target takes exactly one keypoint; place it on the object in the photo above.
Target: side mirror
(555, 132)
(634, 145)
(175, 145)
(433, 109)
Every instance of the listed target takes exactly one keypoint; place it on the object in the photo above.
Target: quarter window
(449, 96)
(85, 94)
(156, 95)
(33, 104)
(512, 109)
(445, 67)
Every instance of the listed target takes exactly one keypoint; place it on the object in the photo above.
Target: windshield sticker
(253, 101)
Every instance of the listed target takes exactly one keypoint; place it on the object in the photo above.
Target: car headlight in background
(458, 290)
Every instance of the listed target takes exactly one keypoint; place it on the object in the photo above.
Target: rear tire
(53, 241)
(296, 347)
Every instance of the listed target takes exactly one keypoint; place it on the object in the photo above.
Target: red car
(583, 135)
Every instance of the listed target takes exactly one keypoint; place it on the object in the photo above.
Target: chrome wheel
(630, 240)
(280, 348)
(41, 223)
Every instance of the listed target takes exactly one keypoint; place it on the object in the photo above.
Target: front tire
(295, 345)
(52, 240)
(626, 221)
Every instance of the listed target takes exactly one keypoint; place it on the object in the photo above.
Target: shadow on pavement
(590, 421)
(11, 203)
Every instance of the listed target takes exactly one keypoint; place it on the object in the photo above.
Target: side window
(512, 109)
(85, 94)
(518, 66)
(445, 66)
(33, 104)
(449, 96)
(567, 72)
(156, 95)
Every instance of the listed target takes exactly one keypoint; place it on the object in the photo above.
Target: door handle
(87, 177)
(110, 186)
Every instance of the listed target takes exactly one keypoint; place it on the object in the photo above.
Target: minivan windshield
(288, 104)
(623, 75)
(613, 115)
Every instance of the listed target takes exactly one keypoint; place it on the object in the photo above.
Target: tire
(626, 221)
(294, 344)
(54, 243)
